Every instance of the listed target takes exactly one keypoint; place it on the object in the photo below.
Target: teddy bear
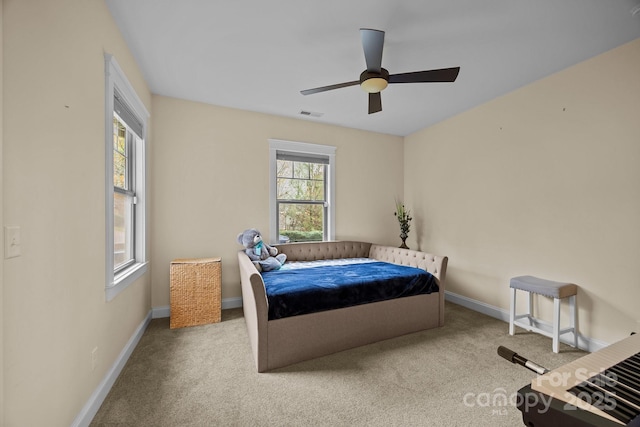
(265, 257)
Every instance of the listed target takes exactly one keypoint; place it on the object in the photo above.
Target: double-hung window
(125, 139)
(302, 188)
(126, 122)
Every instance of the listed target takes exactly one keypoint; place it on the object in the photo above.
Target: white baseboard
(90, 409)
(160, 312)
(584, 343)
(478, 306)
(165, 310)
(231, 303)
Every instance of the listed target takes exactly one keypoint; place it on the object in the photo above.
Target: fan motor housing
(377, 86)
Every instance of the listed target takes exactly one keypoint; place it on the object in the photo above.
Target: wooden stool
(555, 290)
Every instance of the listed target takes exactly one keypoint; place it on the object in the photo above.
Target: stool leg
(530, 303)
(573, 312)
(512, 312)
(556, 325)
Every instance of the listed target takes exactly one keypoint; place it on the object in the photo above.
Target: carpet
(450, 376)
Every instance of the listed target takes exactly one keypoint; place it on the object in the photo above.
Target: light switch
(11, 241)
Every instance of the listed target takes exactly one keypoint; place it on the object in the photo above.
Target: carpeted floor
(450, 376)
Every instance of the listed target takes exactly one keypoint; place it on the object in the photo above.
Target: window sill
(124, 279)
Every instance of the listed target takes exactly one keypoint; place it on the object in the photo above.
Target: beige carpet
(205, 376)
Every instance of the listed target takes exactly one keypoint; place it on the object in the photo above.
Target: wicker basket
(195, 292)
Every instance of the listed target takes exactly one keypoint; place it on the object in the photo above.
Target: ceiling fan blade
(330, 87)
(375, 102)
(429, 76)
(372, 43)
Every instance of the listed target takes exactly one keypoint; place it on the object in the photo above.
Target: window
(125, 121)
(302, 188)
(124, 195)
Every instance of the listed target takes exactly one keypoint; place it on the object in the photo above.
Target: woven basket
(195, 292)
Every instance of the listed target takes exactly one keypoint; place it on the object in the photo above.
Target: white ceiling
(257, 55)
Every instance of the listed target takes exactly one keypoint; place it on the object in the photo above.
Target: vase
(404, 245)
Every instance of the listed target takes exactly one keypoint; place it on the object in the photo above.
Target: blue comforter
(292, 292)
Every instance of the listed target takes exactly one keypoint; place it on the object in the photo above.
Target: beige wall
(54, 303)
(543, 181)
(210, 181)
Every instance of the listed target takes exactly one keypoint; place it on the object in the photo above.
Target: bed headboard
(313, 251)
(434, 264)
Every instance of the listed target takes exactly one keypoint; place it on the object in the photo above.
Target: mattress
(308, 287)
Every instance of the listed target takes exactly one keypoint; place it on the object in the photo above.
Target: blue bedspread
(292, 292)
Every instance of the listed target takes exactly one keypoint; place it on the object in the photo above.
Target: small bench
(555, 290)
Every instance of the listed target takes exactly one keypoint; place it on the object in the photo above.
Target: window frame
(116, 282)
(301, 148)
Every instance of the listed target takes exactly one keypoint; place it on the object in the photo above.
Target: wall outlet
(94, 358)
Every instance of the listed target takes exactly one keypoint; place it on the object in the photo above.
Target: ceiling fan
(375, 78)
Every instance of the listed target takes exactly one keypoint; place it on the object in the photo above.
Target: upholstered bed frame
(282, 342)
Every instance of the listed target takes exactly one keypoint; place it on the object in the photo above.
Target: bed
(279, 339)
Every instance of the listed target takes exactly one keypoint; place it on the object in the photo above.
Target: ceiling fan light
(374, 85)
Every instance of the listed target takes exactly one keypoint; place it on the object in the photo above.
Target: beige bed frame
(282, 342)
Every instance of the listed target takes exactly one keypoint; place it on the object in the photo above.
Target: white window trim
(115, 78)
(276, 145)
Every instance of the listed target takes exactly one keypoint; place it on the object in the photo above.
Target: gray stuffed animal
(265, 257)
